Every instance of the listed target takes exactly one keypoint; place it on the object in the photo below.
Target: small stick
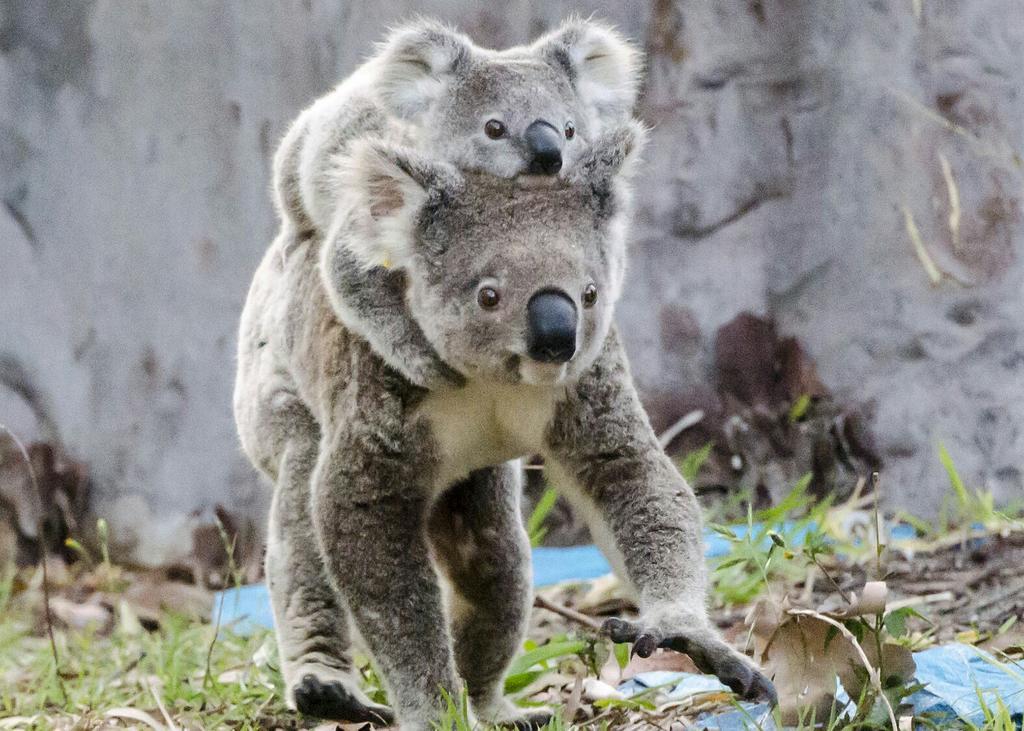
(42, 558)
(161, 706)
(570, 614)
(913, 601)
(688, 420)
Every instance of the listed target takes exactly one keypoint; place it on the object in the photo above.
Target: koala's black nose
(545, 145)
(552, 322)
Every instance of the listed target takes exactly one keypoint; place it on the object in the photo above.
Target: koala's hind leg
(370, 508)
(311, 625)
(477, 533)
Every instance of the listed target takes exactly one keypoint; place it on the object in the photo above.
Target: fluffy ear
(613, 154)
(385, 188)
(417, 63)
(603, 67)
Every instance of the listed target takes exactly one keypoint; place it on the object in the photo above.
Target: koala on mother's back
(524, 114)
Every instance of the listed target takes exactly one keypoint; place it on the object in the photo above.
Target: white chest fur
(481, 425)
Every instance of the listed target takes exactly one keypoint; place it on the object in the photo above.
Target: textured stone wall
(793, 143)
(797, 146)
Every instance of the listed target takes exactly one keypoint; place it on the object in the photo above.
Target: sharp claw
(645, 645)
(763, 689)
(737, 686)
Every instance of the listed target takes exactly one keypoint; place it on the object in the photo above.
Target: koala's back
(299, 368)
(303, 162)
(286, 320)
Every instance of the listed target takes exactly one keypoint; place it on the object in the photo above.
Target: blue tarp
(960, 682)
(249, 606)
(960, 678)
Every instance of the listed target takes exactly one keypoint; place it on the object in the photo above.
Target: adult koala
(522, 113)
(383, 488)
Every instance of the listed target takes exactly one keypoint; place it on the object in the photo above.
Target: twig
(913, 601)
(954, 202)
(40, 527)
(688, 420)
(876, 680)
(998, 597)
(570, 614)
(573, 705)
(161, 706)
(876, 483)
(810, 579)
(831, 580)
(920, 250)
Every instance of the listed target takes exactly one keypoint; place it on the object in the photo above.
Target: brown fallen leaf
(804, 652)
(803, 660)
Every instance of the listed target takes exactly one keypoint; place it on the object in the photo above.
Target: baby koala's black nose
(552, 326)
(544, 143)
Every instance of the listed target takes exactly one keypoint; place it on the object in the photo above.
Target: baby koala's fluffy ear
(385, 188)
(614, 154)
(417, 63)
(604, 67)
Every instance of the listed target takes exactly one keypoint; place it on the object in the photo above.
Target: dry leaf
(869, 602)
(597, 690)
(805, 655)
(128, 621)
(134, 714)
(236, 675)
(150, 598)
(80, 615)
(600, 592)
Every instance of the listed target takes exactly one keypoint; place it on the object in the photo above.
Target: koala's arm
(602, 450)
(371, 303)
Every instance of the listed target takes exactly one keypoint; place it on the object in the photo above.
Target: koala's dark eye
(494, 129)
(589, 295)
(488, 298)
(570, 130)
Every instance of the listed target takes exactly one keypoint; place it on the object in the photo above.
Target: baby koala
(524, 113)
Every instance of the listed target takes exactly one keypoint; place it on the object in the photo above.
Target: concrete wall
(792, 141)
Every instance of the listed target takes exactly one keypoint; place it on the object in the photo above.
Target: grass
(134, 669)
(192, 674)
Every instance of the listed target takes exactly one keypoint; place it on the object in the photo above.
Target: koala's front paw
(708, 652)
(330, 699)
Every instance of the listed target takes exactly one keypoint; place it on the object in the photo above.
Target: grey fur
(431, 88)
(413, 500)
